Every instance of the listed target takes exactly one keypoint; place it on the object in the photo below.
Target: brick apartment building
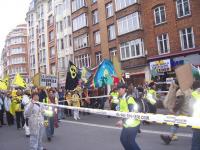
(172, 33)
(139, 32)
(15, 53)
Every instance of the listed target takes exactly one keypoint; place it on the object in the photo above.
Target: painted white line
(116, 128)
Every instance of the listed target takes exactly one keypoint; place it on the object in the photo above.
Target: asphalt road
(94, 132)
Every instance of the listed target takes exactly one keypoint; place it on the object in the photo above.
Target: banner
(181, 121)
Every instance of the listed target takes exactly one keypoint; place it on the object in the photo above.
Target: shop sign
(161, 65)
(175, 63)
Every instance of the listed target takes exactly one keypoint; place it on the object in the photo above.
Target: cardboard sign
(184, 76)
(45, 80)
(48, 80)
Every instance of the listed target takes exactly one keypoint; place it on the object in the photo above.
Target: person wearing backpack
(130, 126)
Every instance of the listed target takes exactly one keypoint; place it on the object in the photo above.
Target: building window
(131, 49)
(95, 18)
(128, 23)
(49, 5)
(163, 44)
(61, 26)
(70, 40)
(51, 36)
(159, 15)
(183, 8)
(52, 52)
(77, 4)
(80, 22)
(50, 20)
(62, 43)
(187, 38)
(109, 10)
(120, 4)
(97, 39)
(81, 42)
(83, 61)
(111, 32)
(69, 21)
(98, 58)
(113, 52)
(61, 63)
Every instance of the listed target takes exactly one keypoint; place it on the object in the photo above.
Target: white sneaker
(75, 118)
(79, 118)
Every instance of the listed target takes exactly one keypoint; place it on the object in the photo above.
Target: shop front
(163, 70)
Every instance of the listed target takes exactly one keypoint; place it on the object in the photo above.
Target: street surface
(94, 132)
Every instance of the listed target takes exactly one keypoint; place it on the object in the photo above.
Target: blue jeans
(50, 127)
(196, 139)
(127, 138)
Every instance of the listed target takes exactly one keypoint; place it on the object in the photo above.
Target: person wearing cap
(151, 97)
(130, 126)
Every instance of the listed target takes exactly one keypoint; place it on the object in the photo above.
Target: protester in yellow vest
(151, 97)
(130, 126)
(114, 99)
(196, 113)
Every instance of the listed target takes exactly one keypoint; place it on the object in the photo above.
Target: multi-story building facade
(51, 34)
(15, 53)
(102, 29)
(63, 37)
(172, 33)
(50, 21)
(38, 27)
(137, 31)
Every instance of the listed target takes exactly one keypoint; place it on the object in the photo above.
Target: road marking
(116, 128)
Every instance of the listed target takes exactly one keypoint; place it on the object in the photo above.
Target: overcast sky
(12, 13)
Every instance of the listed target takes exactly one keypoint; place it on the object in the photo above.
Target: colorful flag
(104, 74)
(19, 81)
(85, 75)
(72, 77)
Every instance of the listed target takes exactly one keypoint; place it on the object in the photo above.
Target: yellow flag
(117, 67)
(19, 81)
(3, 85)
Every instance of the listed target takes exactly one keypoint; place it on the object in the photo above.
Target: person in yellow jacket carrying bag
(19, 109)
(130, 126)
